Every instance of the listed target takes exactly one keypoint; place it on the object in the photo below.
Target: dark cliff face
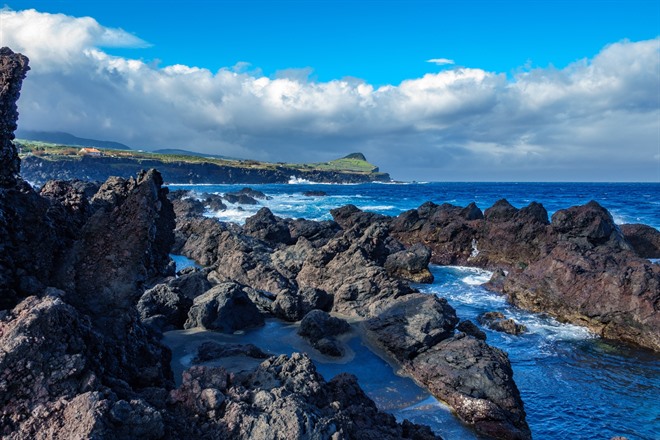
(38, 171)
(13, 68)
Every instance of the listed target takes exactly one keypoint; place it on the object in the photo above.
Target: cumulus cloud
(596, 119)
(440, 61)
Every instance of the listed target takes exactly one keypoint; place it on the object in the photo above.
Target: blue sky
(536, 90)
(382, 42)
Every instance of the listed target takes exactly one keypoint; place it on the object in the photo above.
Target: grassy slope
(350, 164)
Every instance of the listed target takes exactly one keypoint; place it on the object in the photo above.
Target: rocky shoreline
(87, 288)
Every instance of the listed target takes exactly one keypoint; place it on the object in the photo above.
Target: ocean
(574, 384)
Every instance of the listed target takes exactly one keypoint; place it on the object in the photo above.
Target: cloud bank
(596, 119)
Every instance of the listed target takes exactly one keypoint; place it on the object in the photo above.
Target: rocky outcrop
(477, 381)
(592, 278)
(503, 236)
(579, 268)
(498, 322)
(644, 239)
(75, 359)
(226, 307)
(350, 266)
(283, 398)
(13, 69)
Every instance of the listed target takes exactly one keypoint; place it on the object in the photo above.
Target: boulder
(226, 308)
(644, 239)
(470, 328)
(293, 306)
(411, 264)
(265, 226)
(477, 381)
(498, 322)
(164, 307)
(412, 324)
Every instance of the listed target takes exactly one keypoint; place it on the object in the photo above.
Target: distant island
(43, 161)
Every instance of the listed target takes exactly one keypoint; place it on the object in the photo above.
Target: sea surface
(574, 384)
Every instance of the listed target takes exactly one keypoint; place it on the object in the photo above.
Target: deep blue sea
(574, 385)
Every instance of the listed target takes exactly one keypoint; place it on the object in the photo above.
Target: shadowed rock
(644, 239)
(226, 307)
(498, 322)
(13, 69)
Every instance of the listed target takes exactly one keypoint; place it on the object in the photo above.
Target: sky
(493, 90)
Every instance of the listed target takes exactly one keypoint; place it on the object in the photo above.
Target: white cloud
(597, 119)
(440, 61)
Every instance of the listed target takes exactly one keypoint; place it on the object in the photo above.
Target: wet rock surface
(354, 267)
(498, 322)
(226, 307)
(580, 267)
(283, 398)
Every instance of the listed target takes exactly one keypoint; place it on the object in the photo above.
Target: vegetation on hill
(354, 163)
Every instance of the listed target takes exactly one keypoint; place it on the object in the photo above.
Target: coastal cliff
(190, 170)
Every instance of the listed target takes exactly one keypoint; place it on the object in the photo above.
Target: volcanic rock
(283, 398)
(470, 328)
(293, 306)
(13, 69)
(163, 307)
(265, 226)
(477, 381)
(498, 322)
(411, 264)
(412, 324)
(226, 307)
(644, 239)
(212, 350)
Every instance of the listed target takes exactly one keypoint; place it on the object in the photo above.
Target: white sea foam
(474, 275)
(293, 180)
(376, 207)
(233, 213)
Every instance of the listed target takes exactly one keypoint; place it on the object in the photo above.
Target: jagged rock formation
(76, 359)
(644, 239)
(13, 68)
(356, 263)
(579, 267)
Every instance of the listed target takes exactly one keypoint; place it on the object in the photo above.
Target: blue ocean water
(574, 384)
